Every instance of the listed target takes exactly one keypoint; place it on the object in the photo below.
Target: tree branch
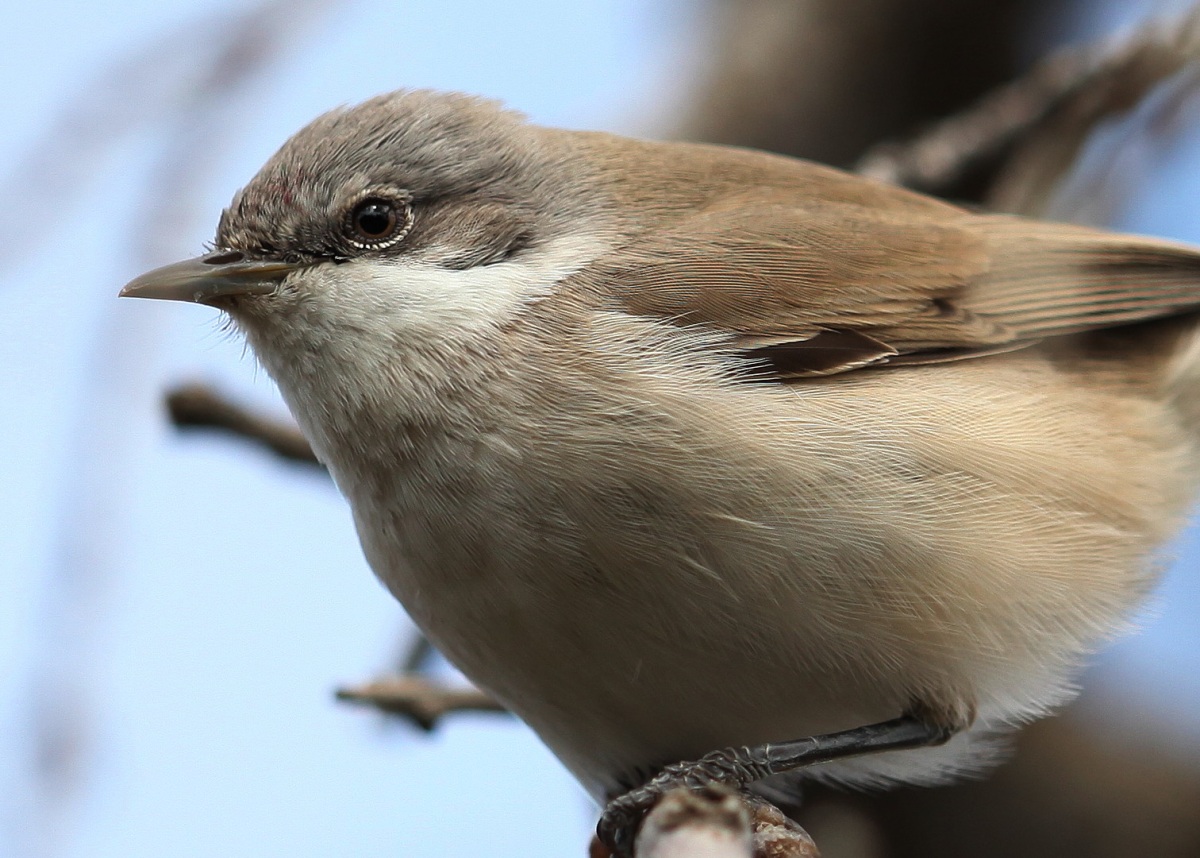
(198, 406)
(713, 823)
(1027, 136)
(717, 823)
(775, 834)
(418, 699)
(827, 79)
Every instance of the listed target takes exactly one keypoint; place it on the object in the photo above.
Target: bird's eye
(376, 222)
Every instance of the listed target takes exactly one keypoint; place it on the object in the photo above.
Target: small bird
(677, 448)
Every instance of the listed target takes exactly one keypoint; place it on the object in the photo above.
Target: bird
(711, 463)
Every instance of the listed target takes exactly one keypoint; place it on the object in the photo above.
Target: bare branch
(418, 655)
(1029, 134)
(717, 823)
(775, 835)
(420, 700)
(943, 153)
(826, 79)
(198, 406)
(714, 823)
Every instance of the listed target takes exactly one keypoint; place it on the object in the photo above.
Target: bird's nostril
(224, 257)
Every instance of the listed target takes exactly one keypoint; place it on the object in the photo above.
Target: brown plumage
(804, 252)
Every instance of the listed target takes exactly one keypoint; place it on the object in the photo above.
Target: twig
(940, 156)
(827, 79)
(418, 699)
(717, 823)
(775, 835)
(1029, 134)
(714, 823)
(418, 655)
(194, 406)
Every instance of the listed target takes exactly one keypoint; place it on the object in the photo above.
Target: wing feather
(823, 285)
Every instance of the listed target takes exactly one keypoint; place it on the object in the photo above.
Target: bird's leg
(739, 767)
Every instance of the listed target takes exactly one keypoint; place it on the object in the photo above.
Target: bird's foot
(737, 768)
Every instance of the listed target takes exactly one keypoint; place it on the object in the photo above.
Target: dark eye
(377, 222)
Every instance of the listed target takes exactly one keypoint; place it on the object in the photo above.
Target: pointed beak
(222, 274)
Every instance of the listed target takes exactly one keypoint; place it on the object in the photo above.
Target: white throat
(388, 338)
(429, 303)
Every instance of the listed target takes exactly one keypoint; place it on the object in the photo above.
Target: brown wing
(821, 286)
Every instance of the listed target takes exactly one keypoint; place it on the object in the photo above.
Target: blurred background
(176, 608)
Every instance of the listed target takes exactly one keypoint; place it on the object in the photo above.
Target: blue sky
(232, 596)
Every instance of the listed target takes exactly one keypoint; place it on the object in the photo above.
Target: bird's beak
(221, 274)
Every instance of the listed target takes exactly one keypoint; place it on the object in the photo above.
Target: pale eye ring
(376, 221)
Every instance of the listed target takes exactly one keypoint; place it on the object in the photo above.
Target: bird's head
(419, 210)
